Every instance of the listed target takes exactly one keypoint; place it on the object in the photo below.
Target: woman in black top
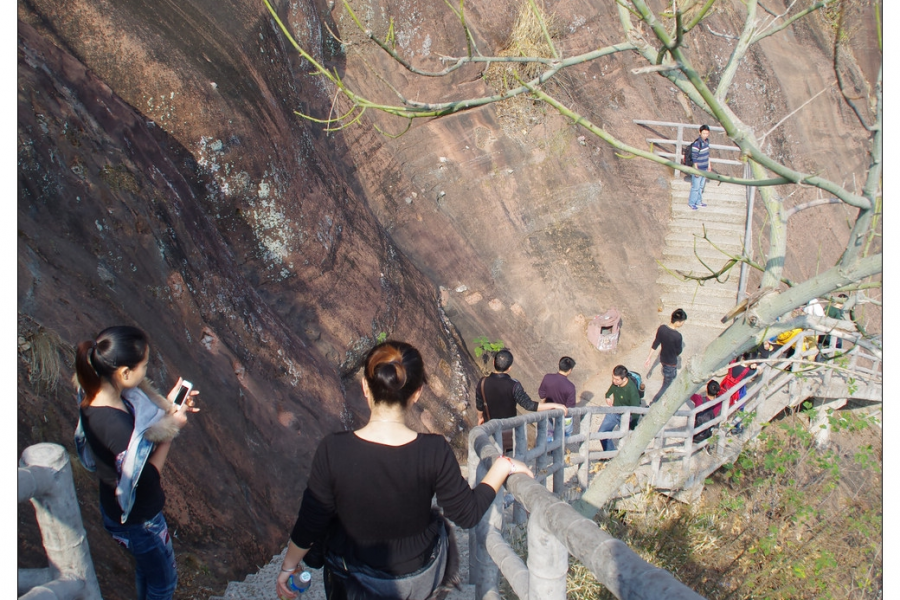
(124, 432)
(368, 498)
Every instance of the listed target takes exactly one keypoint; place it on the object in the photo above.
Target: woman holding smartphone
(367, 504)
(124, 433)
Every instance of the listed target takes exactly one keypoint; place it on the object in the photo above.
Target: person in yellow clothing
(785, 338)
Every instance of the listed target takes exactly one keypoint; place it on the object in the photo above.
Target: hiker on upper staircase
(700, 161)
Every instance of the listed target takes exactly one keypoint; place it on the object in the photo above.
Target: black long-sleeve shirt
(671, 345)
(380, 499)
(503, 393)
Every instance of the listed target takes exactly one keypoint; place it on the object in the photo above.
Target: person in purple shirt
(556, 387)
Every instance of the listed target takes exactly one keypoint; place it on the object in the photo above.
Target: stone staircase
(724, 220)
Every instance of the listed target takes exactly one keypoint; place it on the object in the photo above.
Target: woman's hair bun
(392, 375)
(394, 372)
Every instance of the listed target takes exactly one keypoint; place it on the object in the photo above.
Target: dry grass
(786, 521)
(43, 352)
(519, 114)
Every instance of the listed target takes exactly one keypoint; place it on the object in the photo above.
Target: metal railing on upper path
(672, 462)
(680, 142)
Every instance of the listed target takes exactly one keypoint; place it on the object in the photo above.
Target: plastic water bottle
(299, 582)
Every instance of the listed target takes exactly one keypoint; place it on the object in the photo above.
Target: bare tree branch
(540, 18)
(837, 69)
(701, 14)
(612, 141)
(738, 53)
(812, 203)
(789, 22)
(727, 36)
(775, 17)
(762, 140)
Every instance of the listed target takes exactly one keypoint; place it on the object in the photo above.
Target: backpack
(687, 158)
(636, 379)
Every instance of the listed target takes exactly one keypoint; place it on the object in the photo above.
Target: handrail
(556, 527)
(680, 142)
(45, 478)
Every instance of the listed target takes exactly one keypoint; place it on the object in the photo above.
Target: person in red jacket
(736, 374)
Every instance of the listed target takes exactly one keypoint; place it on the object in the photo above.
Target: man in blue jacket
(700, 158)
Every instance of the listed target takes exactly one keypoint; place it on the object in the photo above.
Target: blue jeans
(569, 424)
(610, 422)
(149, 542)
(669, 374)
(697, 185)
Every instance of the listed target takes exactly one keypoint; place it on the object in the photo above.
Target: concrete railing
(45, 478)
(672, 461)
(555, 530)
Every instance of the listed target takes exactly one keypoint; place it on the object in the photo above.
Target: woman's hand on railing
(517, 466)
(503, 467)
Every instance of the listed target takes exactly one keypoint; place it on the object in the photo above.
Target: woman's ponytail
(85, 372)
(114, 347)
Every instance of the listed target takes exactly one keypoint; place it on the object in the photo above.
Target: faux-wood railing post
(477, 471)
(486, 575)
(548, 562)
(45, 477)
(656, 458)
(689, 442)
(483, 572)
(584, 451)
(521, 447)
(559, 455)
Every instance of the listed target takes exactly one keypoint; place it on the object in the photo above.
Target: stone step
(724, 192)
(724, 238)
(669, 287)
(714, 201)
(714, 229)
(681, 250)
(680, 186)
(717, 307)
(710, 214)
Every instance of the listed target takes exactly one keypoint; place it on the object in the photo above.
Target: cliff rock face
(266, 298)
(165, 181)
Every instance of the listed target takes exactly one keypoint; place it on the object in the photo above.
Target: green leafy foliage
(483, 345)
(785, 520)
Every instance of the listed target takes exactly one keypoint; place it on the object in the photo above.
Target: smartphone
(183, 392)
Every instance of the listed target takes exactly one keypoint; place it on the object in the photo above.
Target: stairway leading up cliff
(686, 251)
